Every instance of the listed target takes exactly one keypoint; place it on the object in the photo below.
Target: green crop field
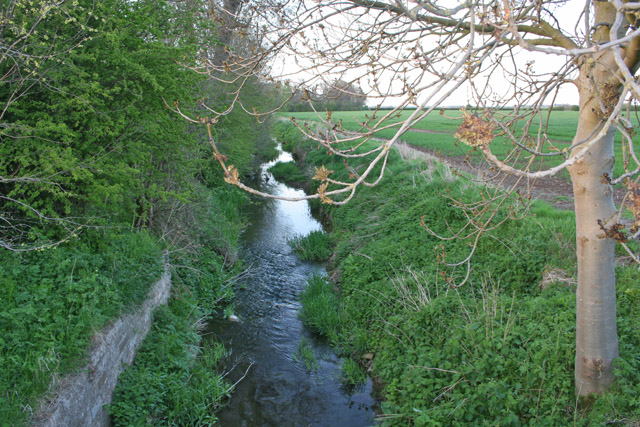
(436, 133)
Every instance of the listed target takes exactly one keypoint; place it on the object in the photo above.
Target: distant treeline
(335, 96)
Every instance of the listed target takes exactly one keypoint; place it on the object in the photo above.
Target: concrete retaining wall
(80, 398)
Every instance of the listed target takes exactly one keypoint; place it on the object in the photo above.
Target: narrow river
(278, 389)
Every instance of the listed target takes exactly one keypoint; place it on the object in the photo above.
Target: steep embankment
(56, 303)
(54, 300)
(500, 348)
(80, 399)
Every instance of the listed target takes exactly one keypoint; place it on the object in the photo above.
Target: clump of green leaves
(315, 246)
(100, 148)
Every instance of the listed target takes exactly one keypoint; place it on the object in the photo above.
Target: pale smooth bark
(596, 331)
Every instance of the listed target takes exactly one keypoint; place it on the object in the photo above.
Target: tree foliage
(87, 138)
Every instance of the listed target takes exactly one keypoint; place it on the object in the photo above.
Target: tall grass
(316, 246)
(320, 307)
(175, 380)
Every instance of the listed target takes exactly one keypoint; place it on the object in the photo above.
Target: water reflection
(278, 389)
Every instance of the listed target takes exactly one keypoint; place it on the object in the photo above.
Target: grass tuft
(352, 373)
(316, 246)
(305, 354)
(320, 307)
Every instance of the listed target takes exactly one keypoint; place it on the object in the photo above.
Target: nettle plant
(420, 54)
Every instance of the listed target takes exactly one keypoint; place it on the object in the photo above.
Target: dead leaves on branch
(634, 204)
(609, 95)
(231, 175)
(220, 157)
(322, 173)
(475, 131)
(615, 232)
(625, 230)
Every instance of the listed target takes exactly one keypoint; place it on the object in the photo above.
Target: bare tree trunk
(596, 331)
(227, 24)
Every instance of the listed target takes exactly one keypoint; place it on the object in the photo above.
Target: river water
(278, 389)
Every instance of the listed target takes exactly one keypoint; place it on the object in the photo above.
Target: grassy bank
(54, 300)
(498, 350)
(175, 380)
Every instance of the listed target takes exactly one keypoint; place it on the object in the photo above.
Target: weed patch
(54, 300)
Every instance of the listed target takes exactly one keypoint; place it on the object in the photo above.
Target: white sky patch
(497, 86)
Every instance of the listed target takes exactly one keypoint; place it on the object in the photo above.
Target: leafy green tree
(92, 140)
(36, 39)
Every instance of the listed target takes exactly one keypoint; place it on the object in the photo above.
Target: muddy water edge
(268, 341)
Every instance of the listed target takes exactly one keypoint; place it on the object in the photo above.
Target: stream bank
(80, 398)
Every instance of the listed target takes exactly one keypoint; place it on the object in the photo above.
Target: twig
(434, 369)
(241, 378)
(449, 388)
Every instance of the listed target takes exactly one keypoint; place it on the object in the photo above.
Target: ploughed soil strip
(555, 190)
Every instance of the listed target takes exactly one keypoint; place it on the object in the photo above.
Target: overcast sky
(567, 16)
